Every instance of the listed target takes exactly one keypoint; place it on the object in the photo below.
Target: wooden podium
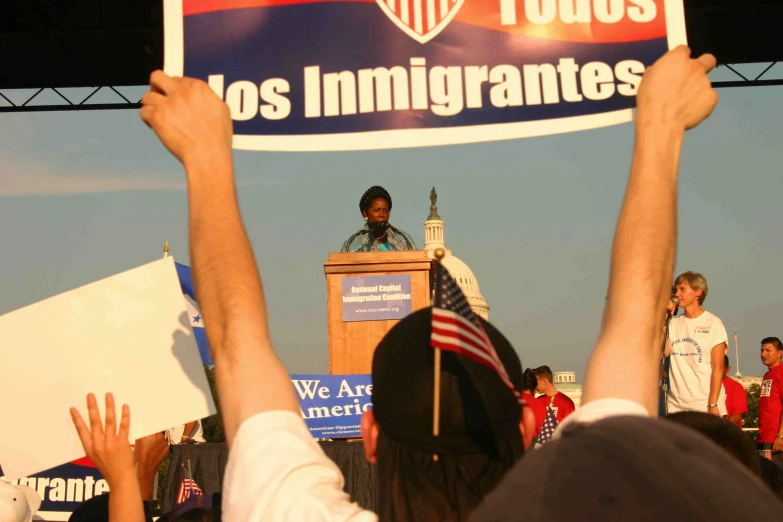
(351, 344)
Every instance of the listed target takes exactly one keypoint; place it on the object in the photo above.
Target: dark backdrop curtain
(208, 463)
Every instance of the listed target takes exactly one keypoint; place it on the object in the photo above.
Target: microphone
(676, 308)
(379, 227)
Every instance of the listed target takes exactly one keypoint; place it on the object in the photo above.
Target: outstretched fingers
(124, 433)
(96, 427)
(84, 432)
(111, 417)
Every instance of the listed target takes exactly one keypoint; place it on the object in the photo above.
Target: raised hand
(188, 117)
(107, 446)
(676, 90)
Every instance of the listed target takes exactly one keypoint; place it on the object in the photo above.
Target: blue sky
(84, 195)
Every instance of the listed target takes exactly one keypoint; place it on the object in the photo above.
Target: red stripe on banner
(486, 14)
(194, 7)
(411, 14)
(84, 461)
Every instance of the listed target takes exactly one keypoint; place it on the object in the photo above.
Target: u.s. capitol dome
(461, 272)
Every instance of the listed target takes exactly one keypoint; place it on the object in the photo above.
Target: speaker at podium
(367, 293)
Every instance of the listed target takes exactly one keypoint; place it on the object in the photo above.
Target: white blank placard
(128, 334)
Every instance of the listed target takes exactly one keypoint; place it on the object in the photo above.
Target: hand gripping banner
(327, 75)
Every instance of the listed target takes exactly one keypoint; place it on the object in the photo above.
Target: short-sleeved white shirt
(277, 472)
(690, 368)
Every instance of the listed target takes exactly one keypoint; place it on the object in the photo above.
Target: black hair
(725, 434)
(544, 372)
(726, 361)
(371, 194)
(772, 476)
(774, 341)
(529, 381)
(95, 509)
(479, 439)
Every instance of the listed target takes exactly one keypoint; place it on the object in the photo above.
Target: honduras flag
(196, 321)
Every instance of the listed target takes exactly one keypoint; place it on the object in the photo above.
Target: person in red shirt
(736, 398)
(529, 385)
(558, 401)
(770, 438)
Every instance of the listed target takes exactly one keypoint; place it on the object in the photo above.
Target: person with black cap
(611, 459)
(482, 432)
(377, 234)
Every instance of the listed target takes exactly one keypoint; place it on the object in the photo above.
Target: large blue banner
(333, 405)
(373, 74)
(376, 298)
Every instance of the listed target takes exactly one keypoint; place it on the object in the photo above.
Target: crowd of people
(610, 459)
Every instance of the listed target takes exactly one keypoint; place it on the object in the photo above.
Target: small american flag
(735, 336)
(549, 427)
(455, 328)
(187, 487)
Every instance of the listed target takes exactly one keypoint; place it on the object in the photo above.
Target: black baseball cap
(477, 409)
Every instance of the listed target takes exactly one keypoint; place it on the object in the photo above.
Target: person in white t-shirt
(276, 470)
(696, 350)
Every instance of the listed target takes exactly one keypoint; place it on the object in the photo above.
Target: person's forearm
(780, 428)
(716, 381)
(641, 271)
(147, 487)
(125, 503)
(231, 296)
(188, 429)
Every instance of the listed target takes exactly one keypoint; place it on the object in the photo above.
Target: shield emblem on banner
(422, 20)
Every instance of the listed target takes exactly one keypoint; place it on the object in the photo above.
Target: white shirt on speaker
(690, 367)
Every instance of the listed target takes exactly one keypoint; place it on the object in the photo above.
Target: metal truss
(68, 101)
(750, 80)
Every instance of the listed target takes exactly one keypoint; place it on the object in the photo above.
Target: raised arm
(108, 447)
(674, 96)
(195, 125)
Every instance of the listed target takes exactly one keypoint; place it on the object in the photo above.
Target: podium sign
(375, 298)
